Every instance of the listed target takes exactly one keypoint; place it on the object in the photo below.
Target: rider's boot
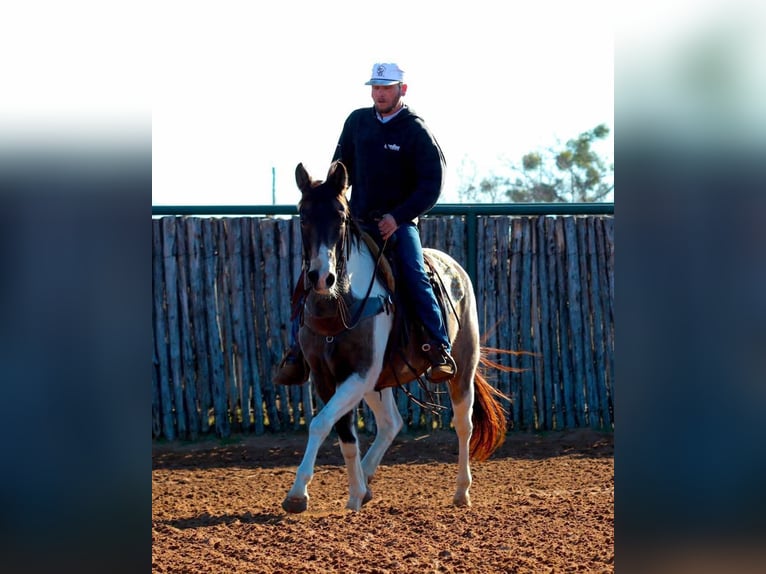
(293, 369)
(443, 366)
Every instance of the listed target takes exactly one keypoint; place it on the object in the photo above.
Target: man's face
(386, 98)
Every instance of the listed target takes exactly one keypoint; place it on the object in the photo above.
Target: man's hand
(387, 225)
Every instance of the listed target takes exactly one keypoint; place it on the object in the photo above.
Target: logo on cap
(385, 74)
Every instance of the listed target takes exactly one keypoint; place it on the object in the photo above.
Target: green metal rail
(471, 211)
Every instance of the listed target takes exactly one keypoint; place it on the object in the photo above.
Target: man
(396, 171)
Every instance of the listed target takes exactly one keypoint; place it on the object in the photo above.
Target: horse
(344, 336)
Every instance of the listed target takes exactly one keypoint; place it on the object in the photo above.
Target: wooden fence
(221, 292)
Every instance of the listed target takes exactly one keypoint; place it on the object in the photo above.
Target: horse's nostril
(313, 276)
(330, 280)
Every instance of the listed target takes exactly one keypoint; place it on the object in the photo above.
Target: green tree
(573, 172)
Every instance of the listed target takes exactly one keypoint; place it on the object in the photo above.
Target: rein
(349, 320)
(343, 309)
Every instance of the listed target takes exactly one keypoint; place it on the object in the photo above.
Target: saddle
(404, 360)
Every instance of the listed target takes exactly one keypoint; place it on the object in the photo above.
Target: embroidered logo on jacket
(392, 147)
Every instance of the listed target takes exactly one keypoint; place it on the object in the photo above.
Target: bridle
(348, 315)
(342, 250)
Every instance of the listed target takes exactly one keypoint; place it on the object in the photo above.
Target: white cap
(385, 75)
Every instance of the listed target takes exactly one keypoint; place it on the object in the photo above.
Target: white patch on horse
(323, 261)
(361, 267)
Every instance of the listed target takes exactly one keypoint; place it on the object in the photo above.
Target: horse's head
(324, 217)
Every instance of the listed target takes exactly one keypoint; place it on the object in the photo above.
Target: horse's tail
(489, 417)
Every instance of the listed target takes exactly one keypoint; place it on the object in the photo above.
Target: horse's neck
(361, 271)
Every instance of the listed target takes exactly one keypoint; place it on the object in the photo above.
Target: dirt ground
(541, 503)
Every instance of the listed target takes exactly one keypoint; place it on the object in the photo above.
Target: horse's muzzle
(320, 283)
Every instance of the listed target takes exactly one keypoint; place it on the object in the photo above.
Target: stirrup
(443, 366)
(292, 370)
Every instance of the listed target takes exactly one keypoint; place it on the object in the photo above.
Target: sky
(240, 89)
(235, 94)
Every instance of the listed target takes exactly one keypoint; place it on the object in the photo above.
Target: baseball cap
(385, 74)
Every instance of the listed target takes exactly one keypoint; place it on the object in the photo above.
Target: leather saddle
(404, 360)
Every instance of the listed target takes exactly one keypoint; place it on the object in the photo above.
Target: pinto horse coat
(347, 322)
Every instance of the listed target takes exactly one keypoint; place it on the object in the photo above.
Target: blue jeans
(408, 254)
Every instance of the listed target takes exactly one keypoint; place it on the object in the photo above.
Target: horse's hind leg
(358, 493)
(462, 395)
(388, 421)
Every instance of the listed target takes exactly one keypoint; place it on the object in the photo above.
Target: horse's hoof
(462, 501)
(295, 505)
(356, 505)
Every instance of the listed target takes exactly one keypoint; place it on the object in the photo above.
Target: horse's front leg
(346, 397)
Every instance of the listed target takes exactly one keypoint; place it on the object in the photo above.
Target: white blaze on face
(323, 262)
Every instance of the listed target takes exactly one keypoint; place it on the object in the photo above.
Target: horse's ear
(338, 176)
(302, 178)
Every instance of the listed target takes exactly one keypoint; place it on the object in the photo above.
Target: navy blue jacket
(395, 167)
